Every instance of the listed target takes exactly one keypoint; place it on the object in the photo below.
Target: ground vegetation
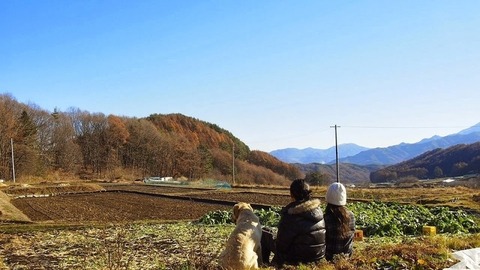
(138, 226)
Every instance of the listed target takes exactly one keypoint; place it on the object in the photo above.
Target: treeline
(323, 174)
(454, 161)
(96, 146)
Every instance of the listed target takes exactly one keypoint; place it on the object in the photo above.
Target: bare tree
(9, 111)
(116, 137)
(142, 148)
(26, 145)
(91, 136)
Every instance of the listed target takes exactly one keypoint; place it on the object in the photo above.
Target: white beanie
(336, 194)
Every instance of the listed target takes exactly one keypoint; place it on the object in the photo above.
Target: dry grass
(187, 246)
(461, 197)
(10, 213)
(51, 189)
(401, 253)
(52, 177)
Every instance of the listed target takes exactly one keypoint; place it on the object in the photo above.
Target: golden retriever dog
(243, 249)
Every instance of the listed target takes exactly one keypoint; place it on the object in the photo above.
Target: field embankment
(8, 212)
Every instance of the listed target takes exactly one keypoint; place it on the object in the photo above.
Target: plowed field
(111, 207)
(138, 202)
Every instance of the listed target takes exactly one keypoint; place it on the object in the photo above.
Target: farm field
(137, 226)
(111, 207)
(259, 196)
(134, 203)
(104, 203)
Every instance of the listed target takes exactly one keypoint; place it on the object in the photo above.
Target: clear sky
(277, 74)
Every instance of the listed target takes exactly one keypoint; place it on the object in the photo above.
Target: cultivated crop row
(381, 219)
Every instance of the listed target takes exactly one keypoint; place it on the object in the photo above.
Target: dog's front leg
(258, 250)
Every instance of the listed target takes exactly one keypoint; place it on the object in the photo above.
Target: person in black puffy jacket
(301, 230)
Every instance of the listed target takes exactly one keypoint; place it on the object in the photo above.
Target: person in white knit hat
(339, 223)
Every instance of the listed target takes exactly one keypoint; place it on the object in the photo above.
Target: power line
(404, 127)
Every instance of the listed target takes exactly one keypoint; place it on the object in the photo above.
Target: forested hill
(199, 133)
(348, 173)
(96, 146)
(217, 144)
(458, 160)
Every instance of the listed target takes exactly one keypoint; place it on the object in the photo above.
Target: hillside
(254, 167)
(95, 146)
(454, 161)
(348, 173)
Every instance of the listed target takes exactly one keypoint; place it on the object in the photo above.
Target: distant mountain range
(454, 161)
(354, 154)
(312, 155)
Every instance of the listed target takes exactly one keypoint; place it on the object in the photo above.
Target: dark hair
(300, 190)
(340, 218)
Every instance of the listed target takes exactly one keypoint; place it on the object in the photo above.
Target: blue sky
(277, 74)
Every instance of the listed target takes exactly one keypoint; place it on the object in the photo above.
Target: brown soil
(137, 202)
(249, 197)
(112, 207)
(155, 189)
(129, 202)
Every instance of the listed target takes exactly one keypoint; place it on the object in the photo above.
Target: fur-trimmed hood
(305, 206)
(310, 209)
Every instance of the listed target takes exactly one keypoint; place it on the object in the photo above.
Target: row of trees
(93, 145)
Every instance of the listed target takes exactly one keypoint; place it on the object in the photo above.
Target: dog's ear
(236, 210)
(239, 207)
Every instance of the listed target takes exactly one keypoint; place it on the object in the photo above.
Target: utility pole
(233, 164)
(336, 152)
(13, 161)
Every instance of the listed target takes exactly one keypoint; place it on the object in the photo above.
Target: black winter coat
(301, 233)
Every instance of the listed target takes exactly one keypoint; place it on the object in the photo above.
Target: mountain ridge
(454, 161)
(313, 155)
(380, 155)
(398, 153)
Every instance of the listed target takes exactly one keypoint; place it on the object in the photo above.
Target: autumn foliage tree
(270, 162)
(93, 145)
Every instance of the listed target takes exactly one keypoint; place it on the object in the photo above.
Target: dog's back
(243, 249)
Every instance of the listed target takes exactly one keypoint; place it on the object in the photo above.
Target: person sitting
(301, 230)
(339, 222)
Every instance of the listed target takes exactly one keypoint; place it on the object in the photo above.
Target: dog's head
(237, 208)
